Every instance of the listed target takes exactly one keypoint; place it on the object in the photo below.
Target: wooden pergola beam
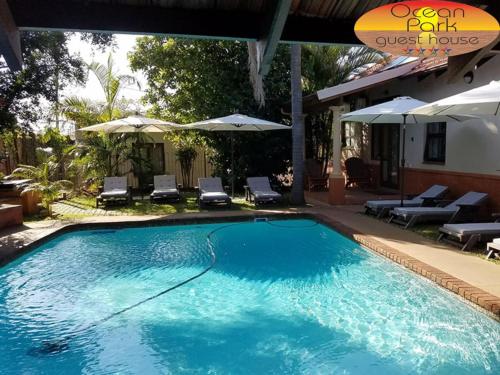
(459, 65)
(63, 15)
(266, 45)
(10, 41)
(202, 23)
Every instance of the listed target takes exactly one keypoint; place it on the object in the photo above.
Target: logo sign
(427, 28)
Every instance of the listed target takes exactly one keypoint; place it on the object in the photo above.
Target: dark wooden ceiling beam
(117, 18)
(319, 30)
(267, 44)
(459, 65)
(212, 23)
(10, 42)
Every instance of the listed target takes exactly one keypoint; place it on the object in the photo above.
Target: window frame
(431, 136)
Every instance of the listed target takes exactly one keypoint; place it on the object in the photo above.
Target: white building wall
(472, 146)
(201, 166)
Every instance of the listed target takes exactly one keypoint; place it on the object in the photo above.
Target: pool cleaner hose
(62, 344)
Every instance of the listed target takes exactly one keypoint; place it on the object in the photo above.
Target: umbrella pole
(232, 164)
(403, 162)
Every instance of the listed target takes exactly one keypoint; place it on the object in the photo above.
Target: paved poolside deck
(473, 278)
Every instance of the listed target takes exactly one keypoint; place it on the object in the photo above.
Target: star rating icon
(446, 51)
(408, 51)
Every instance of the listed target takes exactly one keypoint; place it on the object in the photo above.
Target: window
(435, 144)
(348, 134)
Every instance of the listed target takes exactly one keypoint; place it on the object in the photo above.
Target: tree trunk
(298, 126)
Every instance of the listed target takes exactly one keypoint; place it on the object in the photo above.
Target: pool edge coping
(27, 247)
(478, 298)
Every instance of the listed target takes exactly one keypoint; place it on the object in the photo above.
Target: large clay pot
(30, 201)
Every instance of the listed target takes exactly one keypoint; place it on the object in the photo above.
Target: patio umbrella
(232, 124)
(133, 124)
(397, 111)
(484, 100)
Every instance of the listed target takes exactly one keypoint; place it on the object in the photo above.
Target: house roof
(376, 76)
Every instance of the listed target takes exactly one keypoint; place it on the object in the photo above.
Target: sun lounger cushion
(115, 183)
(259, 184)
(115, 187)
(211, 190)
(471, 198)
(473, 228)
(375, 205)
(214, 196)
(165, 186)
(411, 211)
(164, 182)
(496, 240)
(266, 194)
(261, 188)
(163, 192)
(210, 185)
(434, 192)
(115, 193)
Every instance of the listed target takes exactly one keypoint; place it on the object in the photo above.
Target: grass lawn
(145, 207)
(432, 232)
(427, 230)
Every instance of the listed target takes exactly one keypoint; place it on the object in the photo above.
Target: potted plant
(43, 182)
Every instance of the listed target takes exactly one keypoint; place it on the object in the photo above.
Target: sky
(92, 89)
(124, 44)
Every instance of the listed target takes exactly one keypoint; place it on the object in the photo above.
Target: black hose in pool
(61, 345)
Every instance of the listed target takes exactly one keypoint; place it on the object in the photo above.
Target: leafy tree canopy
(194, 80)
(48, 68)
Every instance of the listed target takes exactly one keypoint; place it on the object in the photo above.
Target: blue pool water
(291, 297)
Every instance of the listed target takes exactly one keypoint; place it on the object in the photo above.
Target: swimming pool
(287, 296)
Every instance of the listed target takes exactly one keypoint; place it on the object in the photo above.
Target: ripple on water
(289, 298)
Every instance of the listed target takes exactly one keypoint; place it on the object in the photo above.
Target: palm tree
(111, 83)
(333, 65)
(43, 181)
(297, 126)
(100, 154)
(83, 112)
(327, 67)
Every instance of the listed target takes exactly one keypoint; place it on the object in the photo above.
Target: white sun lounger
(260, 189)
(463, 208)
(165, 187)
(382, 207)
(468, 235)
(493, 249)
(115, 189)
(212, 192)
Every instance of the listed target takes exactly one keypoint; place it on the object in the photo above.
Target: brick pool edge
(487, 302)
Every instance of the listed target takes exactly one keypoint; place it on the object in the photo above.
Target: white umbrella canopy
(484, 100)
(236, 122)
(232, 123)
(133, 124)
(397, 111)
